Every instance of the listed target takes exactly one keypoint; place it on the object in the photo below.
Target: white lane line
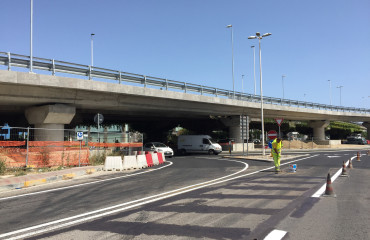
(321, 191)
(47, 226)
(84, 184)
(275, 235)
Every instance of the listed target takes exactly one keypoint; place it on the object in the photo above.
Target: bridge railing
(16, 60)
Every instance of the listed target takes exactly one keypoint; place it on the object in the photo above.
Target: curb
(38, 179)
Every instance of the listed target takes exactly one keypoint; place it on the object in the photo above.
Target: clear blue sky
(187, 40)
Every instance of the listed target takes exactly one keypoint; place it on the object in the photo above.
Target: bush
(2, 167)
(98, 158)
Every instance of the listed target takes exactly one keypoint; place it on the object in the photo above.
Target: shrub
(98, 158)
(2, 166)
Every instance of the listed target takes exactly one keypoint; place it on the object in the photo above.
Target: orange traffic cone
(344, 171)
(329, 189)
(358, 157)
(350, 164)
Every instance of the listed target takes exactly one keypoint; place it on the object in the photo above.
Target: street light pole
(31, 31)
(92, 49)
(254, 68)
(282, 82)
(330, 91)
(232, 56)
(259, 37)
(242, 83)
(340, 95)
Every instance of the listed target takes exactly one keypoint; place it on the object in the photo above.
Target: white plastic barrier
(129, 162)
(164, 158)
(141, 161)
(155, 159)
(113, 163)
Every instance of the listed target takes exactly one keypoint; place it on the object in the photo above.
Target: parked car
(361, 141)
(158, 147)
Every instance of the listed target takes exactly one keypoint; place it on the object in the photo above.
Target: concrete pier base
(367, 125)
(235, 127)
(318, 129)
(49, 121)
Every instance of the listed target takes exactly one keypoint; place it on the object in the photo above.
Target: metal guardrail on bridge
(17, 60)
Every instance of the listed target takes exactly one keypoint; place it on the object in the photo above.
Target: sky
(187, 40)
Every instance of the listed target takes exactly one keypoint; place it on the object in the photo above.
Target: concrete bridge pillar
(49, 121)
(235, 127)
(318, 129)
(367, 125)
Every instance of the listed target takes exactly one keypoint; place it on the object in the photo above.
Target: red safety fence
(51, 153)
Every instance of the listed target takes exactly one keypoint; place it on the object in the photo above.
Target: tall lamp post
(254, 68)
(330, 91)
(340, 95)
(282, 83)
(92, 49)
(243, 84)
(232, 56)
(31, 30)
(259, 37)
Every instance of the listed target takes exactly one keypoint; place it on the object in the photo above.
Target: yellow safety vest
(276, 145)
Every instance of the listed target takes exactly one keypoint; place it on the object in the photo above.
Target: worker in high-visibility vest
(277, 144)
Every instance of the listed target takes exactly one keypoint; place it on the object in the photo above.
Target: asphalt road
(194, 197)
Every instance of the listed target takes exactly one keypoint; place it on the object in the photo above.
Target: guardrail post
(53, 70)
(166, 84)
(201, 90)
(9, 61)
(216, 92)
(144, 81)
(185, 87)
(120, 75)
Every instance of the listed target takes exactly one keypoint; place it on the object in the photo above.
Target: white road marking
(38, 229)
(83, 184)
(275, 235)
(321, 191)
(333, 156)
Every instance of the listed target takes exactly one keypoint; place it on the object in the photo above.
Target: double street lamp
(259, 37)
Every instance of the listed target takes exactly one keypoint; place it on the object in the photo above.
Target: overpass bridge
(50, 101)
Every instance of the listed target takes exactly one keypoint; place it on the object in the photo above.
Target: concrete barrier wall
(238, 147)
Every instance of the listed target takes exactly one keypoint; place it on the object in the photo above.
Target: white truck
(197, 144)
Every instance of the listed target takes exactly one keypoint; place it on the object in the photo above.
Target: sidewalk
(11, 182)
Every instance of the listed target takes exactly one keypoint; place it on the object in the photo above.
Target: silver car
(158, 147)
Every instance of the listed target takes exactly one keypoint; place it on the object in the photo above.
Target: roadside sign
(98, 118)
(279, 121)
(272, 134)
(80, 136)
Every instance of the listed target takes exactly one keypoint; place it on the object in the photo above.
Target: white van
(197, 144)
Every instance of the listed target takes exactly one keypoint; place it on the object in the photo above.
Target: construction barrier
(155, 159)
(141, 161)
(113, 163)
(149, 159)
(160, 158)
(129, 162)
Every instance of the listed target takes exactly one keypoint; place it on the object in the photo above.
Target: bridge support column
(49, 121)
(318, 129)
(367, 125)
(235, 127)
